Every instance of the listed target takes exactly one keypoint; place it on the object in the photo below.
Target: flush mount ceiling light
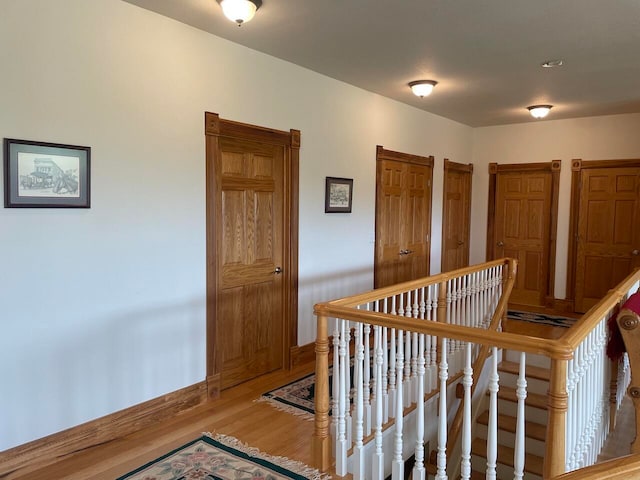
(239, 11)
(539, 111)
(422, 88)
(552, 63)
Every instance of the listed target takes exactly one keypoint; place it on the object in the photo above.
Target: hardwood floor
(235, 413)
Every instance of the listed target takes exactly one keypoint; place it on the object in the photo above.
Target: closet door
(522, 224)
(456, 215)
(403, 217)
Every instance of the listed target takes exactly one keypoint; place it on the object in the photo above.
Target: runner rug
(221, 457)
(541, 318)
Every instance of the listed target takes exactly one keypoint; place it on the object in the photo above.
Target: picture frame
(46, 175)
(338, 196)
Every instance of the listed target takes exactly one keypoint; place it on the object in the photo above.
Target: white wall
(104, 308)
(593, 138)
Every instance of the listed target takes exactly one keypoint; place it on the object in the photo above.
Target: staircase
(537, 373)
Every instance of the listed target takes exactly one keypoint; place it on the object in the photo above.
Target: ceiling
(485, 54)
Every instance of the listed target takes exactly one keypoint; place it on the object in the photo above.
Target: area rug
(541, 318)
(296, 397)
(221, 457)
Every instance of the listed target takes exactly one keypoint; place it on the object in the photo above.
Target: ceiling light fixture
(422, 88)
(539, 111)
(552, 63)
(239, 11)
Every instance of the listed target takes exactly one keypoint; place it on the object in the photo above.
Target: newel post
(558, 399)
(321, 440)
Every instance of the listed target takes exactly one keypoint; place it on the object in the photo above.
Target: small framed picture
(46, 175)
(338, 195)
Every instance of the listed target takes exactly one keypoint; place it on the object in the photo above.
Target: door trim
(384, 154)
(450, 166)
(554, 168)
(577, 167)
(215, 127)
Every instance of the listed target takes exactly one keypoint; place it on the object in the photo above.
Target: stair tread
(532, 463)
(531, 371)
(533, 399)
(508, 424)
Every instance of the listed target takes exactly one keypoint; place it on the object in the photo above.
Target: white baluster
(347, 390)
(392, 374)
(442, 416)
(467, 383)
(406, 384)
(358, 448)
(385, 377)
(335, 398)
(419, 472)
(341, 443)
(367, 380)
(377, 471)
(397, 465)
(492, 436)
(521, 394)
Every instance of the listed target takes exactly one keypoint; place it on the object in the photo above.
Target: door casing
(462, 215)
(215, 127)
(578, 166)
(547, 297)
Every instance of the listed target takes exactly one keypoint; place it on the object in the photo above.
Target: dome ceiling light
(552, 63)
(240, 11)
(539, 111)
(422, 88)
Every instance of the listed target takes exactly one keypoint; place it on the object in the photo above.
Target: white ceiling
(485, 54)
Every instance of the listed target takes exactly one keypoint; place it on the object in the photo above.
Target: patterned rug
(221, 457)
(541, 318)
(295, 397)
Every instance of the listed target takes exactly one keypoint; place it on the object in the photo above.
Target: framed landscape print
(338, 195)
(46, 175)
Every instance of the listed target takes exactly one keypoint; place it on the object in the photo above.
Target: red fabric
(615, 345)
(633, 303)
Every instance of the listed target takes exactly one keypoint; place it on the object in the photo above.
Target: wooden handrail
(373, 295)
(513, 341)
(588, 321)
(623, 468)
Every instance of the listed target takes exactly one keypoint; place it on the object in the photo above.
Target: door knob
(501, 244)
(635, 252)
(277, 271)
(460, 242)
(406, 252)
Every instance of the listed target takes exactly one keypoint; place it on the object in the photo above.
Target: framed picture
(338, 195)
(46, 175)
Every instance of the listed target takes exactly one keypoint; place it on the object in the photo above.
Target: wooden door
(608, 236)
(523, 225)
(251, 255)
(403, 217)
(456, 215)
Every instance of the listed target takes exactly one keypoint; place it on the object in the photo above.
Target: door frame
(577, 167)
(384, 154)
(215, 127)
(554, 168)
(463, 168)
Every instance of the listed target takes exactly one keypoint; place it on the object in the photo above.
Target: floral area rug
(541, 318)
(221, 457)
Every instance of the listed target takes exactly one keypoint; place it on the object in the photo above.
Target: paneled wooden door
(250, 250)
(608, 230)
(456, 215)
(403, 217)
(523, 223)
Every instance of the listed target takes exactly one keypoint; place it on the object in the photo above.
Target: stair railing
(428, 332)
